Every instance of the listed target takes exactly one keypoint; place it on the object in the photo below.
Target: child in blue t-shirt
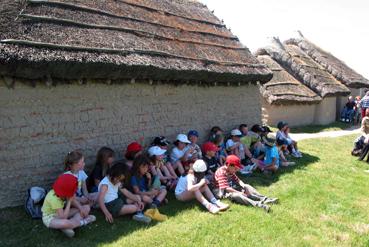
(271, 159)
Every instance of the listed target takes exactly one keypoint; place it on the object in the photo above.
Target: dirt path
(332, 134)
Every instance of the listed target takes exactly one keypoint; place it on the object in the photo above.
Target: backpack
(34, 200)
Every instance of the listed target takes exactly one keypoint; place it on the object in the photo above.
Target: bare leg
(169, 166)
(178, 165)
(128, 209)
(161, 195)
(208, 194)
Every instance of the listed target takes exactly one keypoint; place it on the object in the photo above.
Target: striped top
(223, 179)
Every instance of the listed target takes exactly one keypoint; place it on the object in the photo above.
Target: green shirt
(52, 203)
(249, 139)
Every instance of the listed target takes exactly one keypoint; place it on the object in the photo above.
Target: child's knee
(87, 207)
(146, 199)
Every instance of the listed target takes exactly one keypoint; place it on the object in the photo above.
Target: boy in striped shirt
(227, 185)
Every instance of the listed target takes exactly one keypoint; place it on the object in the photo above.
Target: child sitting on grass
(210, 160)
(104, 160)
(194, 185)
(283, 136)
(193, 137)
(163, 143)
(221, 154)
(133, 149)
(74, 164)
(271, 160)
(180, 155)
(56, 210)
(115, 201)
(234, 146)
(228, 185)
(144, 185)
(158, 168)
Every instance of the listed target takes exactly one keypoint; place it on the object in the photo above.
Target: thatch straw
(284, 88)
(333, 65)
(159, 40)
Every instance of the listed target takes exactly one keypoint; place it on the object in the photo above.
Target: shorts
(116, 205)
(46, 219)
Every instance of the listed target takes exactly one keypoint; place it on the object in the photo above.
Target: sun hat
(193, 133)
(199, 166)
(182, 138)
(233, 160)
(281, 125)
(156, 150)
(65, 186)
(269, 139)
(209, 146)
(134, 147)
(236, 132)
(160, 141)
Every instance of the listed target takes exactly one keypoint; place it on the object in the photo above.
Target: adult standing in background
(364, 104)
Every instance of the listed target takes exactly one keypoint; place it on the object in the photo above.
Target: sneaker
(271, 201)
(68, 232)
(222, 206)
(295, 154)
(342, 120)
(263, 206)
(89, 219)
(212, 208)
(140, 217)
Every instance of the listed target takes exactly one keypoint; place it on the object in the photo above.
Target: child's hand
(148, 175)
(155, 192)
(84, 212)
(109, 218)
(138, 198)
(140, 205)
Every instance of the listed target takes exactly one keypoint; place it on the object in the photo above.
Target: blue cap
(193, 133)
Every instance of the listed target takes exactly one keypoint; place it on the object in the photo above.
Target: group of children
(139, 185)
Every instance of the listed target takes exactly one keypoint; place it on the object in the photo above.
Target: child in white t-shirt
(115, 201)
(180, 155)
(194, 185)
(74, 164)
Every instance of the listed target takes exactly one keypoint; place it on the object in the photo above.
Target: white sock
(82, 222)
(205, 203)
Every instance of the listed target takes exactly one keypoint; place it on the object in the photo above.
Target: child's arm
(102, 193)
(133, 197)
(153, 170)
(64, 213)
(137, 191)
(193, 187)
(84, 212)
(130, 195)
(84, 189)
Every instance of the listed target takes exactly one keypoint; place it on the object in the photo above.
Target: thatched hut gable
(284, 88)
(160, 40)
(333, 65)
(305, 69)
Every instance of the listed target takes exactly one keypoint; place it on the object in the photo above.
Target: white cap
(199, 166)
(236, 132)
(155, 150)
(183, 138)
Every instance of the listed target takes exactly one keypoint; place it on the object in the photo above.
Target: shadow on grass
(260, 179)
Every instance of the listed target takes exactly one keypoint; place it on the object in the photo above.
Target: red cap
(233, 160)
(134, 147)
(209, 146)
(65, 186)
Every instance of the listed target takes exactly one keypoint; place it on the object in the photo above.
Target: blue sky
(338, 26)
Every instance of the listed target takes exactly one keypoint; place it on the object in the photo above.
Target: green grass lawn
(324, 201)
(317, 128)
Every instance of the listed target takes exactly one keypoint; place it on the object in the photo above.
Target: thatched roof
(296, 62)
(284, 88)
(147, 39)
(333, 65)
